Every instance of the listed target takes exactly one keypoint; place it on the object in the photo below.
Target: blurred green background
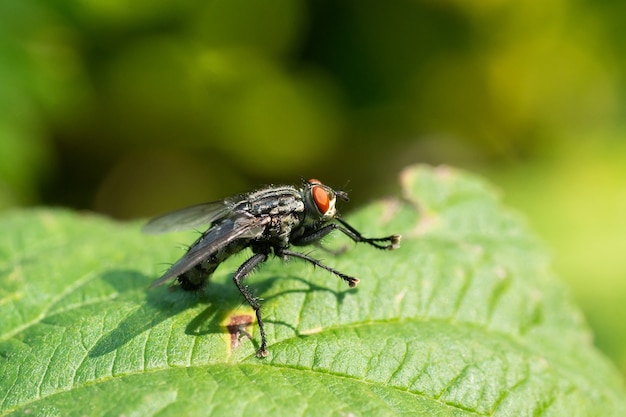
(134, 108)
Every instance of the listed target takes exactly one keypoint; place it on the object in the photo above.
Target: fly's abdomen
(197, 277)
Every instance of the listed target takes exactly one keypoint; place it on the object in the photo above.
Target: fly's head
(320, 200)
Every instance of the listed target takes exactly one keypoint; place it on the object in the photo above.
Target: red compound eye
(321, 198)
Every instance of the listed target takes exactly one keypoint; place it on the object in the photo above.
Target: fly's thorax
(274, 201)
(281, 228)
(282, 209)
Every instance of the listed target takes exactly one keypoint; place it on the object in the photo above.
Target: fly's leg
(352, 281)
(351, 232)
(238, 278)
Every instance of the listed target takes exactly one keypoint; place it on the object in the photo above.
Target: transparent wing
(244, 226)
(188, 218)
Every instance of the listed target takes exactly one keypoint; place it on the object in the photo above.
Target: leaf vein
(46, 309)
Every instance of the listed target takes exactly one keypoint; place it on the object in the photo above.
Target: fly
(268, 221)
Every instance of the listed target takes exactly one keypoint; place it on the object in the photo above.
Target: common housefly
(268, 220)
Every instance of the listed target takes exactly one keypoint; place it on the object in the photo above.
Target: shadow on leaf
(159, 305)
(163, 303)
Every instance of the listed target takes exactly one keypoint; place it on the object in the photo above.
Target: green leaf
(466, 318)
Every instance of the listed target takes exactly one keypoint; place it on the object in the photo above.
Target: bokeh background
(134, 108)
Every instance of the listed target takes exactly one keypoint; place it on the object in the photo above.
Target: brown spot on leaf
(237, 328)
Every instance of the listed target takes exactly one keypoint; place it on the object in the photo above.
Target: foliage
(466, 318)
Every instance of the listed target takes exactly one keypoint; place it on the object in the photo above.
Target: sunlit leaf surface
(466, 318)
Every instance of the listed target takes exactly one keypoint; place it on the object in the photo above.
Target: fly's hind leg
(238, 278)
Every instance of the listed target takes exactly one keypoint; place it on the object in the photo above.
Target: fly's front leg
(351, 232)
(312, 235)
(238, 278)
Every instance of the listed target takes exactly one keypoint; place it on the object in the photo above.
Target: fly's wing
(244, 226)
(188, 218)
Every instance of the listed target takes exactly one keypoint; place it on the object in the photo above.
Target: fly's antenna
(343, 193)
